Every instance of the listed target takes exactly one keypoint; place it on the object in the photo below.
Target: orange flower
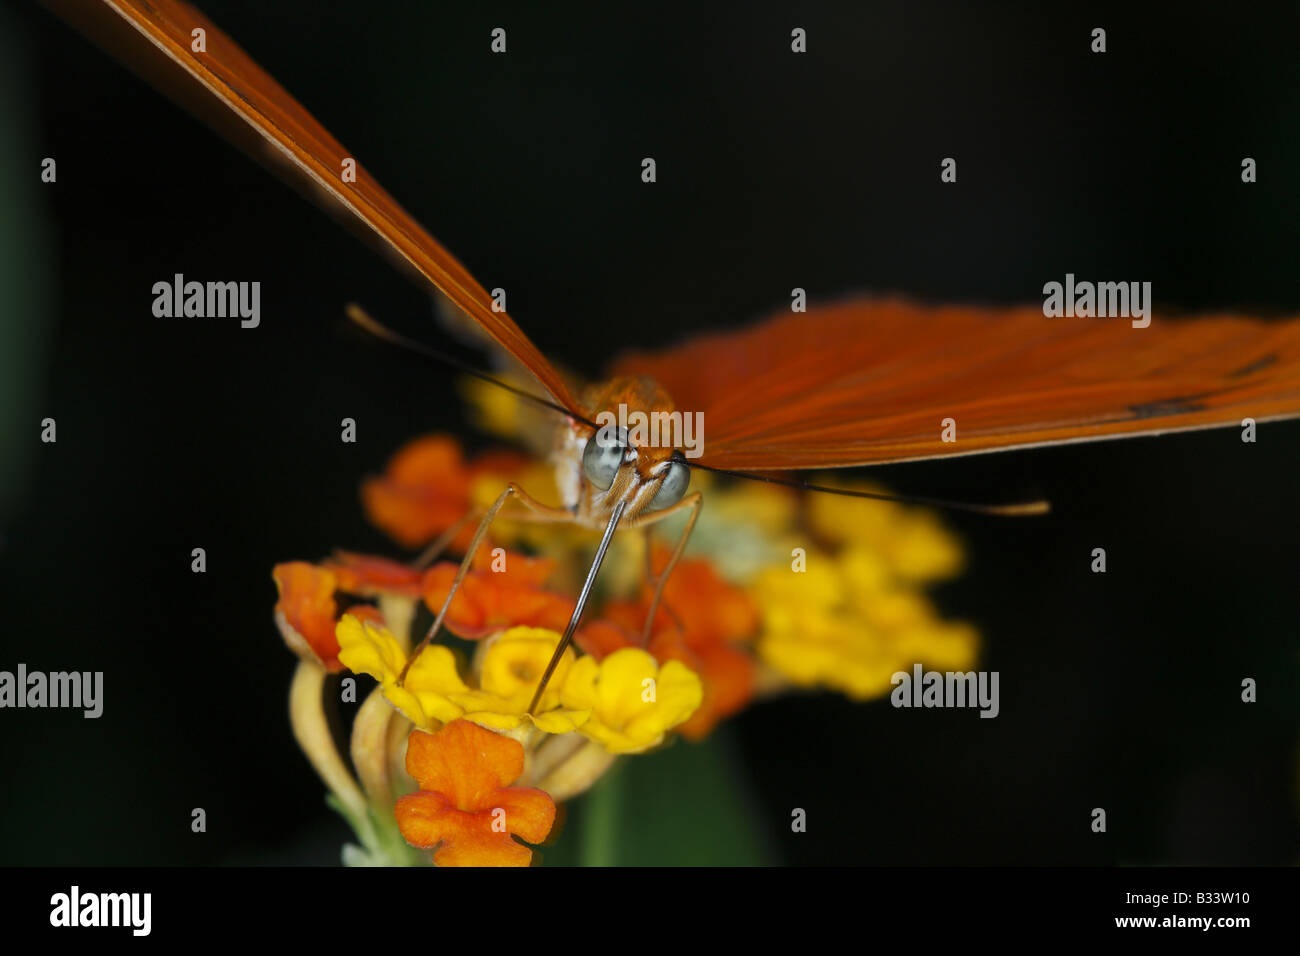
(307, 611)
(427, 488)
(370, 576)
(465, 805)
(712, 611)
(602, 637)
(714, 616)
(489, 601)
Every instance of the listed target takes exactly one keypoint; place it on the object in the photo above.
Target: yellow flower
(849, 624)
(921, 550)
(513, 664)
(943, 645)
(856, 615)
(496, 410)
(911, 541)
(831, 650)
(433, 692)
(843, 520)
(633, 701)
(742, 529)
(779, 588)
(370, 648)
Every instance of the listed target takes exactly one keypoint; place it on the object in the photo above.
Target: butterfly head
(634, 454)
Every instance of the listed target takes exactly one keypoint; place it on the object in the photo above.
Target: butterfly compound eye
(673, 487)
(603, 456)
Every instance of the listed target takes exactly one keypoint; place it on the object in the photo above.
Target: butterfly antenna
(380, 331)
(1014, 510)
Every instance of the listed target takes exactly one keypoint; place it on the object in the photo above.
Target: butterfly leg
(512, 490)
(649, 553)
(694, 502)
(650, 573)
(440, 544)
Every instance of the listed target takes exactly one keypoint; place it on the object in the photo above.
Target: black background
(774, 170)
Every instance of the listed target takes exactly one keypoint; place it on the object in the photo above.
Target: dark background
(775, 170)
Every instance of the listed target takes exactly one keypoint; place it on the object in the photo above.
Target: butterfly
(859, 382)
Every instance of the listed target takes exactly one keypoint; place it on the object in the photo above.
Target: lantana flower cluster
(777, 592)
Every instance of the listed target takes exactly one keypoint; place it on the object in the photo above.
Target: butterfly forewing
(239, 99)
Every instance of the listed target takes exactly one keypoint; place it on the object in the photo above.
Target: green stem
(600, 819)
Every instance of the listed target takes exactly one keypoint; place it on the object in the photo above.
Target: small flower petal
(425, 697)
(489, 600)
(306, 610)
(633, 701)
(465, 806)
(371, 576)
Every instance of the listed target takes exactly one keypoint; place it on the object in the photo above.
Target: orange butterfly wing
(237, 97)
(856, 383)
(869, 381)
